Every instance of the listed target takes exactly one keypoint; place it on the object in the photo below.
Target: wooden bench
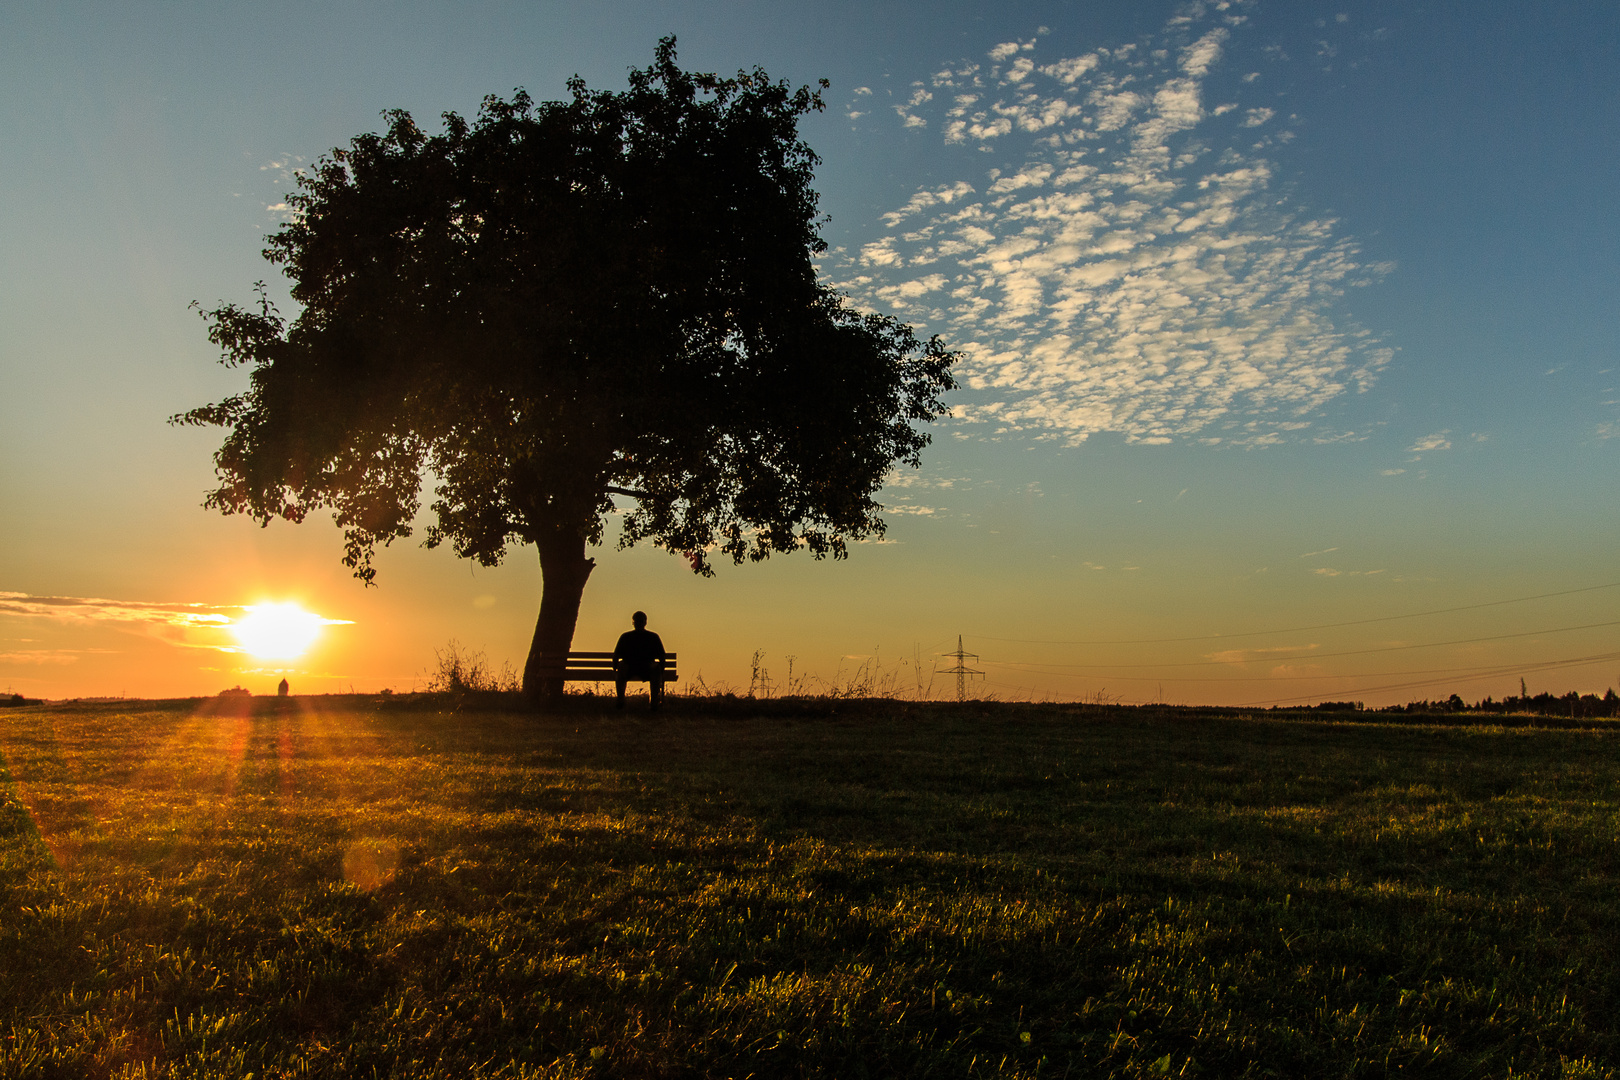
(592, 667)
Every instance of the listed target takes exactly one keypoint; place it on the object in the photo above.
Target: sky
(1290, 333)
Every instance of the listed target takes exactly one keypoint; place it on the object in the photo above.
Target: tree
(562, 303)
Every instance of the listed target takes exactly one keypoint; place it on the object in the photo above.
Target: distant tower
(961, 671)
(281, 691)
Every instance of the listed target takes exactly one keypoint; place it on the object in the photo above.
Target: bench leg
(619, 683)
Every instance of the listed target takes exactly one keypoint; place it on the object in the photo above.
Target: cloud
(172, 622)
(1008, 49)
(1437, 441)
(1030, 176)
(93, 609)
(1129, 265)
(1070, 71)
(909, 479)
(919, 96)
(923, 200)
(45, 656)
(1248, 656)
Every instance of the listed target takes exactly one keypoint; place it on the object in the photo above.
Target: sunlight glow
(277, 631)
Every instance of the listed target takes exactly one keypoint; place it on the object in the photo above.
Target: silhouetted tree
(559, 303)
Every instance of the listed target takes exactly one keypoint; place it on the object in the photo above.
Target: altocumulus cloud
(1129, 265)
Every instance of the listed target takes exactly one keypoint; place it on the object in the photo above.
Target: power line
(1479, 674)
(1323, 656)
(1436, 682)
(1479, 670)
(1318, 626)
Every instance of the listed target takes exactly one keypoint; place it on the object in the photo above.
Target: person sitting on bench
(639, 655)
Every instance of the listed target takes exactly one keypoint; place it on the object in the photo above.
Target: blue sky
(1277, 315)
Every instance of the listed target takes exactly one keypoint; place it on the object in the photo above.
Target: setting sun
(277, 631)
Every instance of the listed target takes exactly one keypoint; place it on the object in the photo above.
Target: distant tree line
(1574, 705)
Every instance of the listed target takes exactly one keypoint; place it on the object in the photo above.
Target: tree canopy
(564, 302)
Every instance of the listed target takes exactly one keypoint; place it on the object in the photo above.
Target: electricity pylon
(961, 671)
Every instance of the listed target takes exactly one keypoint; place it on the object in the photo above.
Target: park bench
(591, 667)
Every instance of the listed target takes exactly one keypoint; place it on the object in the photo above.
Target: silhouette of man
(639, 655)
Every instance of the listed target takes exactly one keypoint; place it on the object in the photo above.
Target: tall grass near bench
(337, 890)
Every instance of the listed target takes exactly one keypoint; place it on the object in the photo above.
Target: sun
(277, 631)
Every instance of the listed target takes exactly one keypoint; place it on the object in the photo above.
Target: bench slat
(605, 665)
(584, 666)
(572, 656)
(599, 676)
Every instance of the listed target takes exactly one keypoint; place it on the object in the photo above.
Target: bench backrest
(589, 666)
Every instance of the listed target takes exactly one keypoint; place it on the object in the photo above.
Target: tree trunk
(563, 572)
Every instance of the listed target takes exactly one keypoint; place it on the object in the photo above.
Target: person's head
(640, 619)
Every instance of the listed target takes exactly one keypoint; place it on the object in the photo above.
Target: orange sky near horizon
(882, 609)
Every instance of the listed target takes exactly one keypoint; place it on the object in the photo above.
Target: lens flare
(277, 631)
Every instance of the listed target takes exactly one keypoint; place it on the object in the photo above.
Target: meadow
(358, 888)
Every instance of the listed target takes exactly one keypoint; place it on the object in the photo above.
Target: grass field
(794, 889)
